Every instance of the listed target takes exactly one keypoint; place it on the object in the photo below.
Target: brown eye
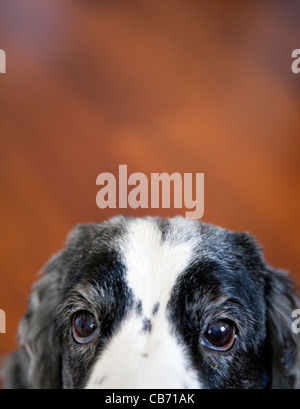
(220, 335)
(84, 327)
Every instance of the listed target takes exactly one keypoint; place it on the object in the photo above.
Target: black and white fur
(154, 285)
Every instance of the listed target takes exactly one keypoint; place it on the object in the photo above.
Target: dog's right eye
(220, 335)
(84, 327)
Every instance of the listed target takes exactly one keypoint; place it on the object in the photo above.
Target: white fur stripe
(137, 358)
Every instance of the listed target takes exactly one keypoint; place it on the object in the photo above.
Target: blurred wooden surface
(188, 86)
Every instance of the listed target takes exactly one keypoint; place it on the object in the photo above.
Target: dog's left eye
(84, 327)
(220, 335)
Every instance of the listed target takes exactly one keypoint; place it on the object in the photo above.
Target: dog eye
(220, 335)
(84, 327)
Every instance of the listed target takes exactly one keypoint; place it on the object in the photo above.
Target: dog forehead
(151, 252)
(155, 253)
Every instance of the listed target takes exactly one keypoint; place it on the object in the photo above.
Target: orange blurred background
(162, 86)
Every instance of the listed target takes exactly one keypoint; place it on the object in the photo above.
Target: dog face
(158, 303)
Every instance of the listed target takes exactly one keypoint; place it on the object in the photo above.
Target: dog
(146, 303)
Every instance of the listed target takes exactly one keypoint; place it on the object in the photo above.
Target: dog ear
(283, 343)
(36, 364)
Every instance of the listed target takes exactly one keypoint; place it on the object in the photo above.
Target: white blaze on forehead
(137, 358)
(152, 265)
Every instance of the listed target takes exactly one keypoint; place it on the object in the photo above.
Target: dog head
(158, 303)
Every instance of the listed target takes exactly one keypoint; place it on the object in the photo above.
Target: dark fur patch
(139, 307)
(205, 292)
(147, 325)
(155, 309)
